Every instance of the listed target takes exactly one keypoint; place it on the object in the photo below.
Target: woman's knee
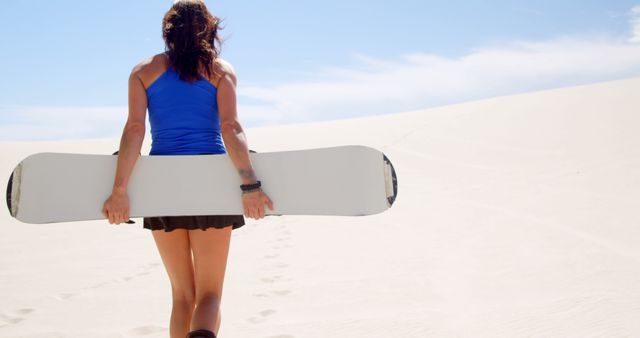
(184, 299)
(208, 298)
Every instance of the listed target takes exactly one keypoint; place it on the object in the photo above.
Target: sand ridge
(516, 217)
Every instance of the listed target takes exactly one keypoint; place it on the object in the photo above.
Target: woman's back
(184, 116)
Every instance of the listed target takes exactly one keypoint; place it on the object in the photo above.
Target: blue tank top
(184, 117)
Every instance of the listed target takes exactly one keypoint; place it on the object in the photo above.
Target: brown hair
(190, 33)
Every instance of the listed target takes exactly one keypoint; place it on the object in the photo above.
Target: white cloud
(635, 24)
(421, 80)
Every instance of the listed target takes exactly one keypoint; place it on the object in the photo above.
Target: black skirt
(169, 223)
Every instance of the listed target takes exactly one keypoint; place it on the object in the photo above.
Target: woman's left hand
(116, 208)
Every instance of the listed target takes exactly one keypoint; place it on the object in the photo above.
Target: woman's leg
(175, 252)
(210, 252)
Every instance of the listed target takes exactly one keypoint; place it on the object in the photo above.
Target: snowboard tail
(391, 180)
(13, 190)
(9, 189)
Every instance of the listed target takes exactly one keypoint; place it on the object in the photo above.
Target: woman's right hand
(254, 204)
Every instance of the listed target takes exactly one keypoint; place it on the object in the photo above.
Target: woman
(190, 94)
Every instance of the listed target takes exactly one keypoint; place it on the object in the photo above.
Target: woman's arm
(133, 133)
(116, 208)
(233, 135)
(235, 142)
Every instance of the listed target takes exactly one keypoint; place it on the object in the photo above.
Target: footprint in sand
(282, 246)
(99, 285)
(273, 279)
(147, 330)
(24, 311)
(139, 274)
(267, 280)
(14, 317)
(145, 270)
(6, 319)
(281, 292)
(64, 296)
(262, 316)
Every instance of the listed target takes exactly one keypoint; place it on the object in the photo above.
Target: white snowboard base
(348, 180)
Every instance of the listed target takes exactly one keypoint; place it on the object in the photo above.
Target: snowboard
(351, 180)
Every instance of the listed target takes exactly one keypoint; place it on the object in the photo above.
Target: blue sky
(65, 63)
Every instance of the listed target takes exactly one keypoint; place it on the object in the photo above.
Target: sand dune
(516, 217)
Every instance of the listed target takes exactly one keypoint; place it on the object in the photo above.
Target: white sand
(516, 217)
